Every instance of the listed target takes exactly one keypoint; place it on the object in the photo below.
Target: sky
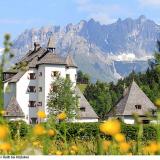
(18, 15)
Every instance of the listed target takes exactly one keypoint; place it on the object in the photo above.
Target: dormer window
(31, 89)
(32, 76)
(138, 106)
(82, 109)
(55, 74)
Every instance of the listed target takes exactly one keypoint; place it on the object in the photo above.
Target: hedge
(87, 130)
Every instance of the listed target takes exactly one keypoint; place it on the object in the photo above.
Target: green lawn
(82, 87)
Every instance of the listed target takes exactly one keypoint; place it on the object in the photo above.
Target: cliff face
(106, 52)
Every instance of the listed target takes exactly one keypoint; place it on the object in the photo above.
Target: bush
(20, 126)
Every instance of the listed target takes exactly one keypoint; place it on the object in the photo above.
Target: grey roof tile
(13, 109)
(70, 62)
(134, 96)
(89, 112)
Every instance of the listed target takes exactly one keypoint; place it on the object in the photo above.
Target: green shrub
(91, 130)
(18, 128)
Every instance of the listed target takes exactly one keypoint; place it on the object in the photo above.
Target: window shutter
(28, 89)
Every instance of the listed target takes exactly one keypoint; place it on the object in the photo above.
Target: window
(32, 76)
(40, 74)
(55, 74)
(138, 106)
(53, 88)
(31, 89)
(32, 104)
(33, 121)
(68, 76)
(40, 89)
(82, 109)
(39, 104)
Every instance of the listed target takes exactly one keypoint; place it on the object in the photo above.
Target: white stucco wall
(23, 97)
(84, 120)
(73, 73)
(128, 120)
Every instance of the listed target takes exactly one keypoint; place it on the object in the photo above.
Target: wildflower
(4, 131)
(36, 143)
(124, 147)
(110, 127)
(62, 116)
(72, 152)
(74, 148)
(39, 130)
(153, 147)
(119, 137)
(146, 150)
(106, 144)
(41, 114)
(58, 153)
(51, 132)
(2, 112)
(5, 147)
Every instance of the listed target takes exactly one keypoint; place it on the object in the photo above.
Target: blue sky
(18, 15)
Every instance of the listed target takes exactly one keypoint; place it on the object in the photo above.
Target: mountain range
(105, 52)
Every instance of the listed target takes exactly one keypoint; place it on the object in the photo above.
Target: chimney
(36, 46)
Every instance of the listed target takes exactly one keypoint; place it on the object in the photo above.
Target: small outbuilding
(134, 101)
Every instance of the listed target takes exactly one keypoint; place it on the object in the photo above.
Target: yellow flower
(157, 102)
(119, 137)
(51, 132)
(5, 147)
(62, 116)
(74, 148)
(58, 153)
(36, 143)
(2, 112)
(110, 127)
(106, 144)
(4, 131)
(72, 152)
(124, 147)
(153, 147)
(39, 130)
(146, 150)
(41, 114)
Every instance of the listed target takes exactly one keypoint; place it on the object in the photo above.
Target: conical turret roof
(134, 101)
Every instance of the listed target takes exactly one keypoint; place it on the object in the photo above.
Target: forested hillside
(104, 96)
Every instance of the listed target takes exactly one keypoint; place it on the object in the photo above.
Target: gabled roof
(83, 103)
(51, 58)
(13, 109)
(134, 96)
(70, 62)
(16, 77)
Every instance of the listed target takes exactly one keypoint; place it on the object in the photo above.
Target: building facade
(29, 88)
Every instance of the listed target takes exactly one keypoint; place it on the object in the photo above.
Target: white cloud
(100, 12)
(155, 3)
